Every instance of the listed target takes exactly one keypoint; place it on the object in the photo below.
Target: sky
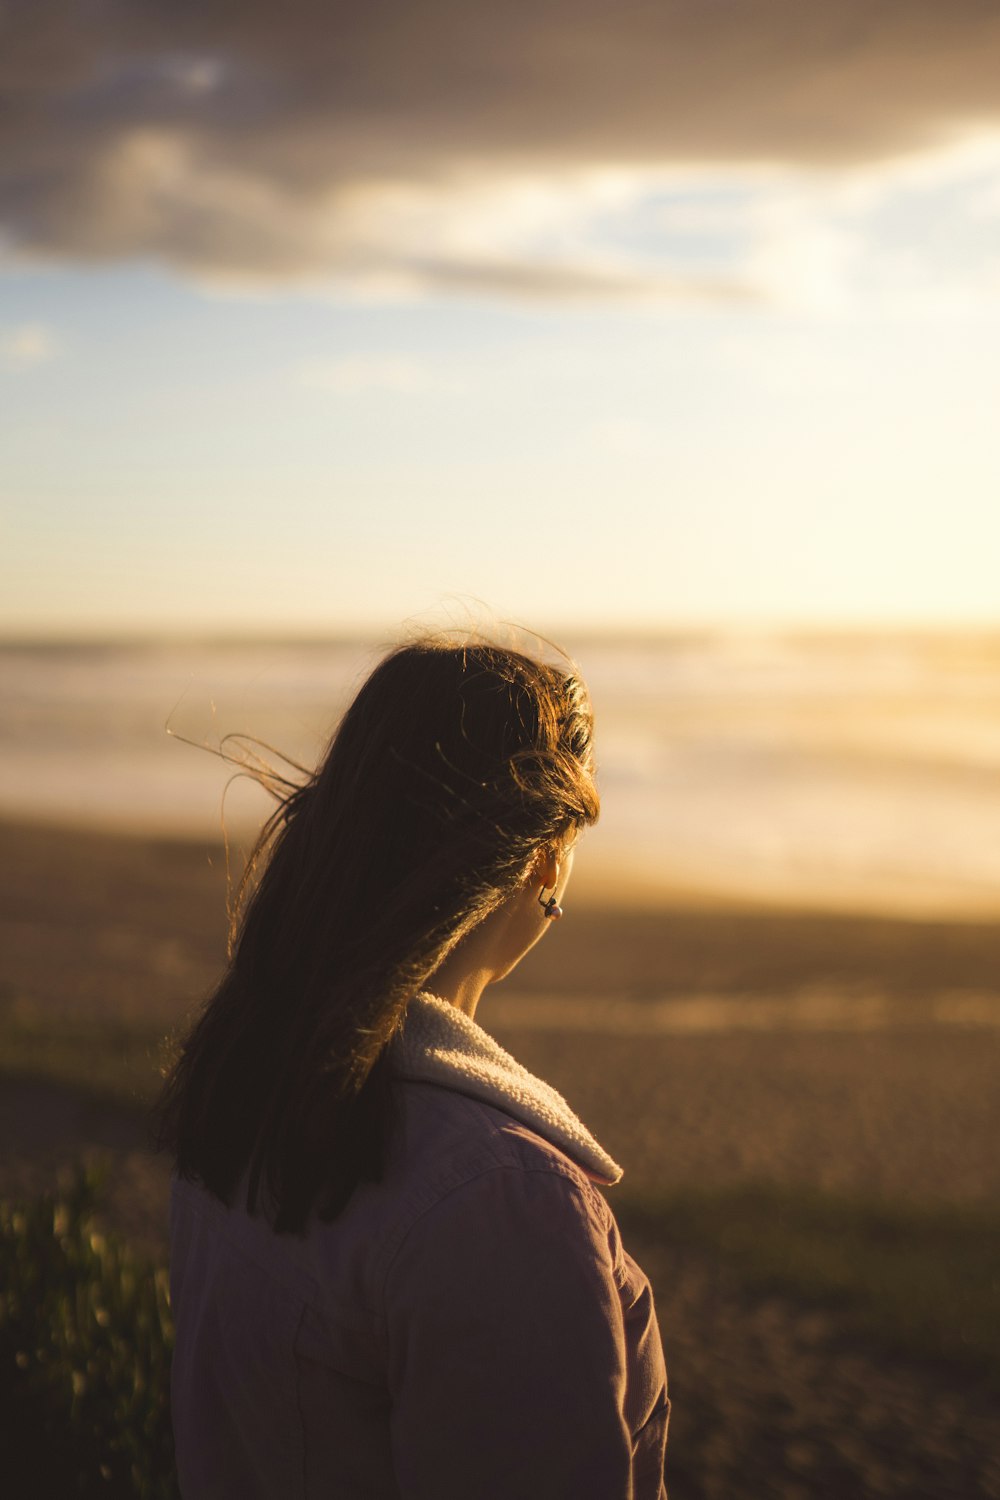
(318, 317)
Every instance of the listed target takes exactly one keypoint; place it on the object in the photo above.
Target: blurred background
(669, 332)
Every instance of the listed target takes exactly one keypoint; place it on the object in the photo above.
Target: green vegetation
(921, 1280)
(85, 1345)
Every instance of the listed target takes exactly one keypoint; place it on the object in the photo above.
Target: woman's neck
(459, 986)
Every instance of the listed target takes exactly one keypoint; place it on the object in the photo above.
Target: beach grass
(85, 1345)
(920, 1280)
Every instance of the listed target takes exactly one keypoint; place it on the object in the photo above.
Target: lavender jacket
(470, 1328)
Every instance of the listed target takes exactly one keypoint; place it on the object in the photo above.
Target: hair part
(452, 767)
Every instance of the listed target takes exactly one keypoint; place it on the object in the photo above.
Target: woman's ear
(545, 870)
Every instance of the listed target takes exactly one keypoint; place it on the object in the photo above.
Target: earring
(550, 908)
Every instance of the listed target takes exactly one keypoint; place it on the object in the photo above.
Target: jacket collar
(441, 1044)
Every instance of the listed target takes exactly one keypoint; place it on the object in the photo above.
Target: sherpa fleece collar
(441, 1044)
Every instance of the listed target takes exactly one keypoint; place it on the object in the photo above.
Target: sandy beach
(700, 1044)
(704, 1046)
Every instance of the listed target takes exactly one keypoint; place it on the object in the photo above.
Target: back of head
(453, 766)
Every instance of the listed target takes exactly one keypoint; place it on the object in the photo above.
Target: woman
(391, 1272)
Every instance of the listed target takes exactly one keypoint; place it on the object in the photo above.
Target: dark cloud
(253, 137)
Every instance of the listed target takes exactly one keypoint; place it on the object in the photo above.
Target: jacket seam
(553, 1168)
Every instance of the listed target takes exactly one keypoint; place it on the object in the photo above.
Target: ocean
(851, 771)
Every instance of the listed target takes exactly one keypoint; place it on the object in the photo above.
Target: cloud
(358, 373)
(327, 141)
(30, 344)
(538, 280)
(907, 237)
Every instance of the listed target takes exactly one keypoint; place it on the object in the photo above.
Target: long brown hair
(453, 766)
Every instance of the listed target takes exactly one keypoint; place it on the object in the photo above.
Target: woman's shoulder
(477, 1222)
(447, 1137)
(461, 1167)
